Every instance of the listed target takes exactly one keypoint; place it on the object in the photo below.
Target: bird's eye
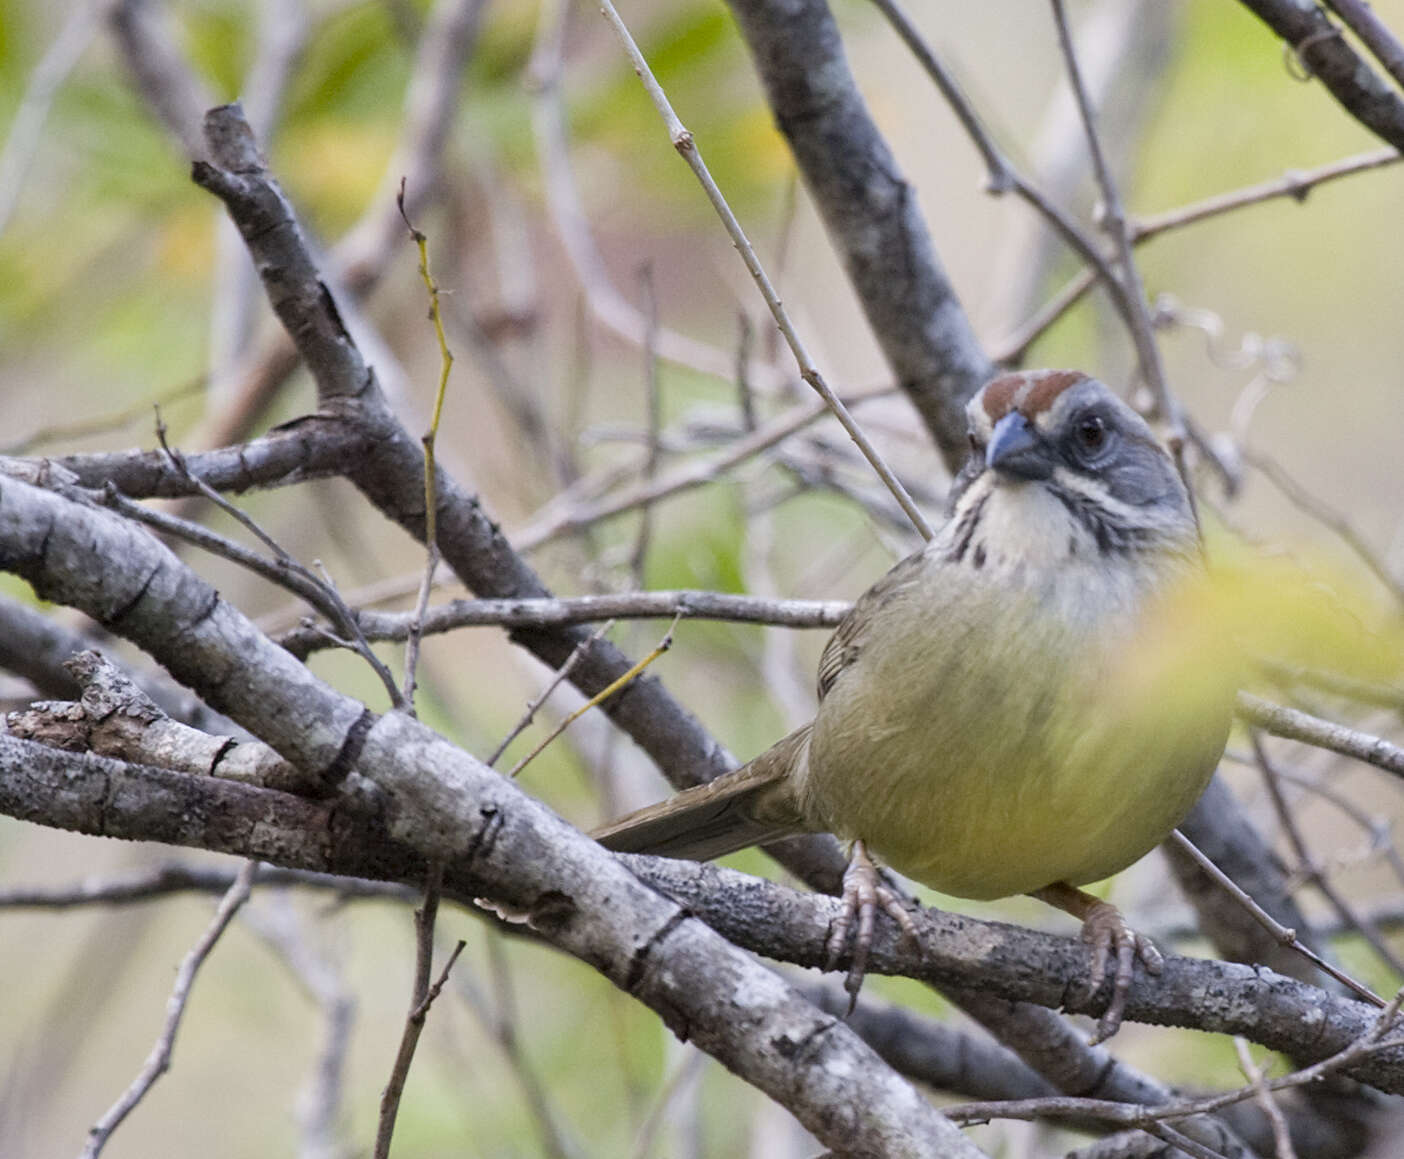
(1092, 433)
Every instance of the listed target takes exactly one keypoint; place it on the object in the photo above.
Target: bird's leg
(1105, 930)
(863, 894)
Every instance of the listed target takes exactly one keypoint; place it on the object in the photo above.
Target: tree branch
(442, 804)
(1321, 48)
(870, 212)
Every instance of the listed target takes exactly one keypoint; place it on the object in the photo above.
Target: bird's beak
(1016, 449)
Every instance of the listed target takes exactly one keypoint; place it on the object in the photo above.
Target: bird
(1026, 705)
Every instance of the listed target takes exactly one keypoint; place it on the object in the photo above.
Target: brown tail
(750, 806)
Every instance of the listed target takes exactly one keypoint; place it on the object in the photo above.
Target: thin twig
(1308, 867)
(287, 571)
(1000, 174)
(177, 877)
(686, 146)
(47, 77)
(431, 497)
(554, 1141)
(1293, 724)
(319, 972)
(423, 997)
(654, 409)
(1326, 515)
(159, 1060)
(1285, 936)
(1295, 183)
(1141, 1116)
(559, 612)
(1182, 1142)
(562, 674)
(103, 423)
(602, 695)
(1114, 222)
(1257, 1077)
(600, 296)
(554, 521)
(1379, 830)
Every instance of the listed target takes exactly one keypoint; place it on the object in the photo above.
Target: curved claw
(1105, 930)
(863, 894)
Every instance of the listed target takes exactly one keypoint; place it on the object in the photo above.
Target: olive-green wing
(750, 806)
(847, 641)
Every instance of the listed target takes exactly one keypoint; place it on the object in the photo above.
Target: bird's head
(1060, 435)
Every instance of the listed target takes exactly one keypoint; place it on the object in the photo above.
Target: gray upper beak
(1016, 449)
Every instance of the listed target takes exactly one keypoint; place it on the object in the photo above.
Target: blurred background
(588, 281)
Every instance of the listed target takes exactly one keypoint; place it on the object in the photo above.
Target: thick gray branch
(442, 804)
(101, 796)
(1022, 965)
(391, 475)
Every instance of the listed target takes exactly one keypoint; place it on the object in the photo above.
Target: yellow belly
(1008, 757)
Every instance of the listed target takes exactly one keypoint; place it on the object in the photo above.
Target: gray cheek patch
(1142, 475)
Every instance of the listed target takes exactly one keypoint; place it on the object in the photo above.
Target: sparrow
(1023, 706)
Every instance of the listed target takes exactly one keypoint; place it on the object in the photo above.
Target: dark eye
(1092, 433)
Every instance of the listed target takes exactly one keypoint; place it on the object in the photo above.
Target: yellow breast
(987, 740)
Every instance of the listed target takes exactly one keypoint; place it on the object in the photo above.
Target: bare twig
(102, 423)
(423, 997)
(556, 612)
(1378, 829)
(1327, 516)
(683, 142)
(558, 517)
(1319, 48)
(1295, 183)
(159, 1060)
(602, 695)
(1286, 937)
(601, 296)
(162, 75)
(431, 494)
(1001, 175)
(1281, 1136)
(177, 877)
(1064, 1107)
(320, 974)
(1115, 224)
(284, 569)
(1293, 724)
(47, 77)
(654, 410)
(503, 1025)
(562, 673)
(1309, 869)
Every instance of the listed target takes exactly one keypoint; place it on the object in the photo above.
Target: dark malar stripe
(965, 529)
(1111, 536)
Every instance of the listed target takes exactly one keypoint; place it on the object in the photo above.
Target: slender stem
(684, 143)
(1115, 223)
(602, 695)
(431, 498)
(423, 997)
(1284, 935)
(159, 1060)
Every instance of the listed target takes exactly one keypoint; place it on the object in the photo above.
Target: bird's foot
(863, 894)
(1106, 931)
